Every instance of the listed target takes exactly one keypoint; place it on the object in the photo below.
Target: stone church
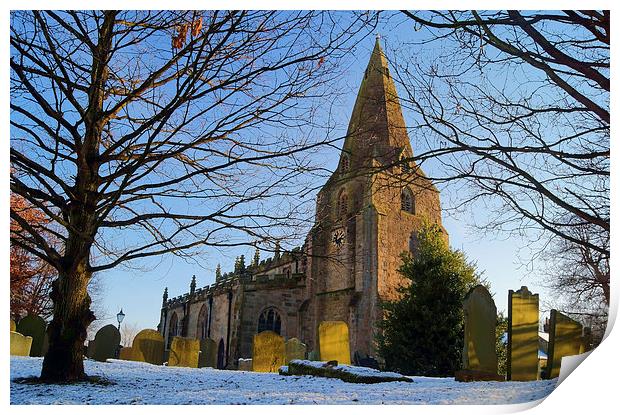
(367, 213)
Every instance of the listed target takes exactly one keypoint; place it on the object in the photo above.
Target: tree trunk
(63, 361)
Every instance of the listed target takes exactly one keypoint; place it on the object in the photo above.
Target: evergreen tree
(218, 273)
(422, 332)
(501, 341)
(241, 265)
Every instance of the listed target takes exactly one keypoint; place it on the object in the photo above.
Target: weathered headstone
(268, 352)
(479, 355)
(13, 326)
(20, 344)
(126, 353)
(148, 346)
(334, 342)
(33, 326)
(105, 344)
(245, 364)
(522, 353)
(184, 352)
(208, 353)
(295, 349)
(565, 339)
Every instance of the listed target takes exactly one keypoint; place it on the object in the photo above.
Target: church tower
(368, 213)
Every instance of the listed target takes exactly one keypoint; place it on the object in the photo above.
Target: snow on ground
(142, 383)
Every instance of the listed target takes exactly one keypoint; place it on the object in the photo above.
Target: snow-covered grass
(142, 383)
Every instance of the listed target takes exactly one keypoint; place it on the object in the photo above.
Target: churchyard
(143, 383)
(283, 371)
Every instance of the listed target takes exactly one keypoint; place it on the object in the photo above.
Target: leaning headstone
(268, 352)
(184, 352)
(208, 353)
(106, 343)
(522, 352)
(295, 349)
(245, 364)
(20, 344)
(13, 326)
(126, 353)
(334, 342)
(33, 326)
(148, 346)
(565, 339)
(479, 354)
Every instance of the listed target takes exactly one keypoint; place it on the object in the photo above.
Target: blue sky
(138, 290)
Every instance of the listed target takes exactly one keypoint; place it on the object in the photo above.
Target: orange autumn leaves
(179, 39)
(30, 276)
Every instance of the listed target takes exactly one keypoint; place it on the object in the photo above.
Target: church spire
(377, 128)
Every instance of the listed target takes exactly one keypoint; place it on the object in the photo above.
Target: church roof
(377, 128)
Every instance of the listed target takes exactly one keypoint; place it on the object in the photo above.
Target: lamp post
(120, 316)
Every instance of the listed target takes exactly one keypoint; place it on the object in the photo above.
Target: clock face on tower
(338, 238)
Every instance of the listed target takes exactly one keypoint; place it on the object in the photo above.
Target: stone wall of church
(396, 229)
(285, 295)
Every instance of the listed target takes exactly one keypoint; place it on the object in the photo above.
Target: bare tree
(514, 110)
(580, 274)
(128, 332)
(141, 133)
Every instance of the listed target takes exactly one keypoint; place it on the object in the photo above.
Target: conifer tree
(422, 332)
(241, 264)
(218, 273)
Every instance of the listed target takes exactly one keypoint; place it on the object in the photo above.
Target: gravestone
(334, 342)
(208, 353)
(479, 354)
(20, 344)
(105, 344)
(148, 346)
(268, 352)
(33, 326)
(245, 364)
(522, 352)
(13, 326)
(565, 339)
(90, 348)
(294, 349)
(221, 355)
(184, 352)
(126, 353)
(365, 361)
(314, 356)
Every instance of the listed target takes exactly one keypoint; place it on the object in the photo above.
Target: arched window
(173, 328)
(201, 330)
(270, 320)
(342, 205)
(344, 163)
(407, 201)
